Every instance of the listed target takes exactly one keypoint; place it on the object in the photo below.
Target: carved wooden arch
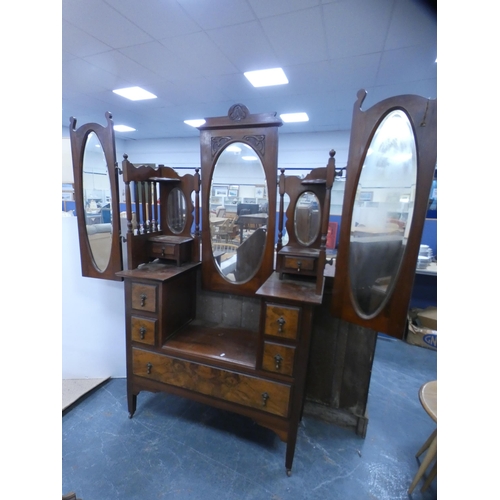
(260, 132)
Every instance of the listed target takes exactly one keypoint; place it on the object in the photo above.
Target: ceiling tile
(298, 37)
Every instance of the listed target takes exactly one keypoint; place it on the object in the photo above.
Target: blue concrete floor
(178, 449)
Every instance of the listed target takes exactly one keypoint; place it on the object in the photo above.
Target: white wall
(93, 317)
(93, 323)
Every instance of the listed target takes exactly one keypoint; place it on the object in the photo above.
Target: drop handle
(265, 397)
(281, 322)
(278, 359)
(163, 251)
(149, 367)
(299, 265)
(142, 331)
(143, 300)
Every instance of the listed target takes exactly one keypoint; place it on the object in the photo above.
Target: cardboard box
(417, 333)
(428, 318)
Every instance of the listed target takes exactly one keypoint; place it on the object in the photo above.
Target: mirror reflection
(97, 201)
(307, 218)
(238, 212)
(176, 210)
(382, 212)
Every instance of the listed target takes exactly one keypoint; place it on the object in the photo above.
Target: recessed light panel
(135, 93)
(195, 123)
(123, 128)
(266, 77)
(294, 117)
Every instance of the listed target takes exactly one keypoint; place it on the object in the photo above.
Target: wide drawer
(144, 297)
(261, 394)
(282, 321)
(143, 330)
(278, 358)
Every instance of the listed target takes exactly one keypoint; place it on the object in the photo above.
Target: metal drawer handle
(281, 323)
(142, 331)
(149, 366)
(278, 359)
(163, 251)
(299, 265)
(143, 300)
(265, 397)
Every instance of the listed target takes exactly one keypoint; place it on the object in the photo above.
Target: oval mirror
(238, 212)
(176, 209)
(97, 201)
(382, 213)
(307, 218)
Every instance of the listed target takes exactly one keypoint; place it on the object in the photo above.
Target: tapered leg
(430, 477)
(431, 453)
(132, 403)
(426, 444)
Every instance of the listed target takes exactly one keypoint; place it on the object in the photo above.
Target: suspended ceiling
(192, 54)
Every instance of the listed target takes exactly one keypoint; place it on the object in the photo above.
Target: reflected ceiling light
(249, 158)
(233, 149)
(294, 117)
(195, 123)
(266, 77)
(135, 93)
(123, 128)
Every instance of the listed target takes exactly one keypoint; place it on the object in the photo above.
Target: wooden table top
(428, 398)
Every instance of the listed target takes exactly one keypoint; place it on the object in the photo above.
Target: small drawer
(299, 264)
(278, 358)
(143, 330)
(282, 321)
(144, 297)
(163, 250)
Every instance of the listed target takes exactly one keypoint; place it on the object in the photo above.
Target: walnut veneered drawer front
(282, 321)
(278, 358)
(261, 394)
(143, 330)
(144, 297)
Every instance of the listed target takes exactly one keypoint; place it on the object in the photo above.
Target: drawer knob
(299, 265)
(265, 397)
(278, 359)
(143, 300)
(281, 323)
(142, 331)
(149, 366)
(163, 251)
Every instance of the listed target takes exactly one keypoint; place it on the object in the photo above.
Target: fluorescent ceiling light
(195, 123)
(249, 158)
(233, 149)
(135, 93)
(266, 77)
(294, 117)
(123, 128)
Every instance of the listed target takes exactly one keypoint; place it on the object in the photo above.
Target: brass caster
(289, 472)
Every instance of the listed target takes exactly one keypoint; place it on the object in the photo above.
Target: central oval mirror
(238, 213)
(382, 213)
(307, 218)
(97, 202)
(176, 210)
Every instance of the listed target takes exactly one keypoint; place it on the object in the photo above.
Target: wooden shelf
(200, 340)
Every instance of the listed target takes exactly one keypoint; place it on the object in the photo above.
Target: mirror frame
(260, 132)
(106, 136)
(422, 114)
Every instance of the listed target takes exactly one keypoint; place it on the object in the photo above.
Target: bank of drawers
(265, 395)
(281, 327)
(143, 328)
